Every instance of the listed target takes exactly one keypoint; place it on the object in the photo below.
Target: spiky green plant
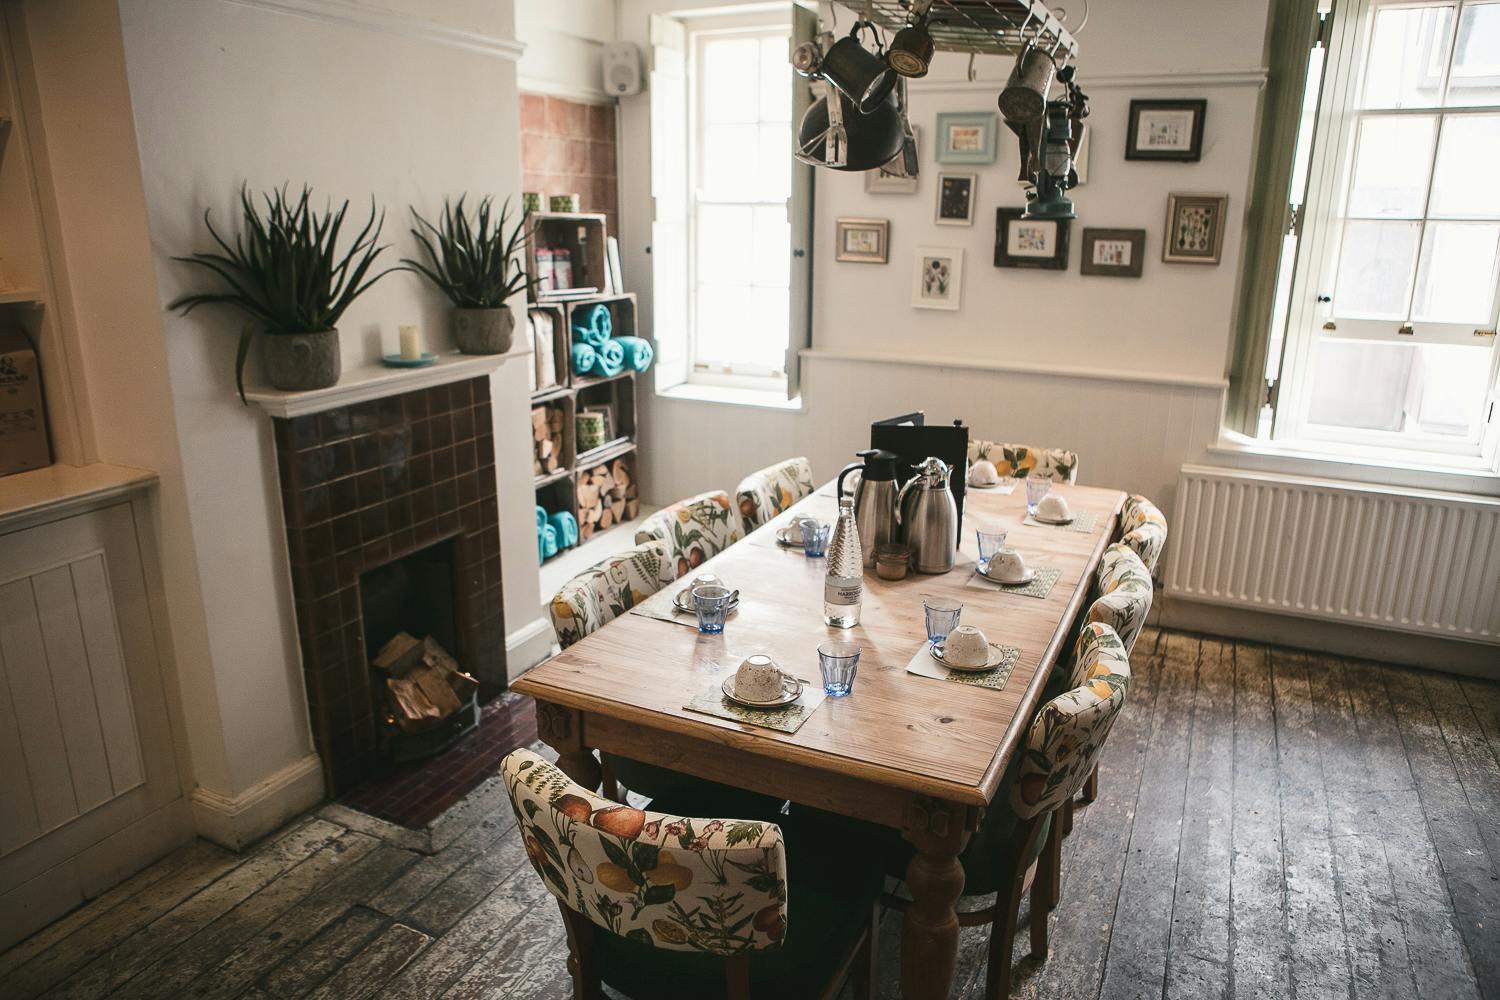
(284, 270)
(474, 261)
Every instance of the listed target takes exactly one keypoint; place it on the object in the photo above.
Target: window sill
(766, 399)
(1283, 457)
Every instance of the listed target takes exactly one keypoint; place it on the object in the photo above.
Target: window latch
(1484, 333)
(1406, 330)
(1330, 325)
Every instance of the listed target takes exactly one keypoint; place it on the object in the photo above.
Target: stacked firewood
(423, 683)
(607, 495)
(547, 438)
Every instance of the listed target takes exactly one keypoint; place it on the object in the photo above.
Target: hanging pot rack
(977, 27)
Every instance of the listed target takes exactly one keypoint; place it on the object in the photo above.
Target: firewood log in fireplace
(424, 682)
(607, 496)
(547, 438)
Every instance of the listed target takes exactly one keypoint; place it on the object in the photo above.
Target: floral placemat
(787, 719)
(1042, 582)
(923, 665)
(1004, 487)
(1083, 522)
(661, 607)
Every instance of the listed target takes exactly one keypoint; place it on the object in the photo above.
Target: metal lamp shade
(858, 74)
(871, 140)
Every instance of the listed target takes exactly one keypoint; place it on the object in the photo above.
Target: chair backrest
(1021, 460)
(1144, 528)
(764, 494)
(694, 530)
(607, 590)
(1124, 587)
(1066, 739)
(1097, 649)
(671, 882)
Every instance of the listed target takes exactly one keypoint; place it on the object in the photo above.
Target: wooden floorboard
(1271, 824)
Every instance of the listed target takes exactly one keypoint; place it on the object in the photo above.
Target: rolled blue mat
(584, 358)
(541, 517)
(602, 322)
(567, 529)
(609, 359)
(548, 540)
(638, 352)
(541, 545)
(590, 335)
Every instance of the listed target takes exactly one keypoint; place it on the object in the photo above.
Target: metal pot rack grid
(981, 27)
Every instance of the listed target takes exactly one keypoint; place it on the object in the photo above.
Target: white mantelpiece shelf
(28, 498)
(359, 385)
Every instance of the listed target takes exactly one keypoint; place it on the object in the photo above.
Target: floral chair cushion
(1066, 739)
(1020, 460)
(1098, 649)
(1124, 587)
(1144, 530)
(603, 593)
(694, 530)
(715, 885)
(764, 494)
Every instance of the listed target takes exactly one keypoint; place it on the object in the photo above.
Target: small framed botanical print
(966, 136)
(882, 181)
(955, 201)
(1116, 253)
(863, 241)
(1195, 228)
(1021, 242)
(1165, 130)
(937, 277)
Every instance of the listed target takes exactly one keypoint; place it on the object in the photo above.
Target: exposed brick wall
(568, 147)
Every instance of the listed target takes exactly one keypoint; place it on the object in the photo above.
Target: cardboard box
(23, 419)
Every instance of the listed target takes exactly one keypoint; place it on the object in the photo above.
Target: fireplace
(392, 524)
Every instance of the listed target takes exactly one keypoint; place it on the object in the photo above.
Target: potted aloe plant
(286, 274)
(476, 263)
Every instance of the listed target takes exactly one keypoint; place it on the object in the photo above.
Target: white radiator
(1348, 552)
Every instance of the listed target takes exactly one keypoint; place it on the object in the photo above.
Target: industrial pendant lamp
(834, 134)
(859, 74)
(911, 50)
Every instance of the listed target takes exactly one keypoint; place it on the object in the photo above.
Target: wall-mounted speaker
(622, 68)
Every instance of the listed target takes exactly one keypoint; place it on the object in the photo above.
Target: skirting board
(243, 819)
(1452, 656)
(527, 646)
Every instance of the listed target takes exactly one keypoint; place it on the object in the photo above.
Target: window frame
(1319, 231)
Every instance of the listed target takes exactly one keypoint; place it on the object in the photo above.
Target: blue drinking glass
(990, 542)
(1036, 488)
(815, 538)
(838, 661)
(942, 616)
(712, 605)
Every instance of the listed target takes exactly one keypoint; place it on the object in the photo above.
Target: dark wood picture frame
(1137, 240)
(1199, 109)
(1005, 218)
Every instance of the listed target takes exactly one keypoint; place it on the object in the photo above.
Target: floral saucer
(791, 690)
(997, 657)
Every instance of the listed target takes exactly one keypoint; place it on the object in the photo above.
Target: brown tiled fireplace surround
(366, 484)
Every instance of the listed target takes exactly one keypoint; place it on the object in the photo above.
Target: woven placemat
(787, 719)
(1004, 487)
(661, 607)
(1083, 522)
(1042, 582)
(923, 665)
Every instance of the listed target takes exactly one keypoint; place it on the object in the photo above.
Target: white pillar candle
(411, 343)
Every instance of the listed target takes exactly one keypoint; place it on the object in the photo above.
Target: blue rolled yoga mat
(609, 359)
(638, 352)
(541, 517)
(602, 322)
(590, 335)
(584, 358)
(547, 541)
(567, 529)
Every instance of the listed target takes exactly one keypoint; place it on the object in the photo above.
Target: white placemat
(1005, 487)
(1042, 582)
(923, 665)
(1083, 522)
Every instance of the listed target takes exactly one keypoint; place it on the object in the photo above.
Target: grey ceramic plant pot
(483, 331)
(296, 362)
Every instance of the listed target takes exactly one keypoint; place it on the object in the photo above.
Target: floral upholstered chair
(606, 591)
(658, 904)
(1020, 461)
(1124, 587)
(764, 494)
(1144, 529)
(694, 530)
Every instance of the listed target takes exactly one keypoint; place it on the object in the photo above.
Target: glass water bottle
(844, 586)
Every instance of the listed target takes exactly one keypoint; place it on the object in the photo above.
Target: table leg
(929, 934)
(561, 729)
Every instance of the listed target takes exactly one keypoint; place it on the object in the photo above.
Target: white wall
(403, 101)
(563, 40)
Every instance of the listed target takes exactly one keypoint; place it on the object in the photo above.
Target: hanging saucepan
(858, 73)
(872, 140)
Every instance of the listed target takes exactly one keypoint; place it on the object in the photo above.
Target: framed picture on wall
(1081, 158)
(1115, 253)
(937, 277)
(1165, 130)
(882, 181)
(966, 136)
(863, 241)
(955, 199)
(1195, 228)
(1040, 243)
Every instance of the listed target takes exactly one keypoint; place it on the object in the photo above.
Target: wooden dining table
(922, 755)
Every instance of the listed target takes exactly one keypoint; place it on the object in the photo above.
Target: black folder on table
(914, 440)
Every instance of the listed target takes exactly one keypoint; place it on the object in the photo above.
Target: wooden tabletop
(908, 732)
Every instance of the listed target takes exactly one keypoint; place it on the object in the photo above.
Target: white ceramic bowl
(966, 646)
(1007, 564)
(1054, 508)
(758, 678)
(983, 473)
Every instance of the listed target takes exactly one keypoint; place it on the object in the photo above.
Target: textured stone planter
(483, 331)
(296, 362)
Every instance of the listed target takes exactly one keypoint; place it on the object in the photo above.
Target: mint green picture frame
(970, 147)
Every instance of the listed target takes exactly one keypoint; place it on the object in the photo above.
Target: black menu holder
(914, 440)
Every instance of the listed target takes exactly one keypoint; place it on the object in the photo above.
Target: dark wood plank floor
(1271, 824)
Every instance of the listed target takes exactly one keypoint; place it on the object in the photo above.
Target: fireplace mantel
(359, 385)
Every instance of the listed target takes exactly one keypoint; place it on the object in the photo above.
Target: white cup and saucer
(790, 536)
(1053, 509)
(983, 475)
(760, 683)
(967, 648)
(1009, 567)
(683, 599)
